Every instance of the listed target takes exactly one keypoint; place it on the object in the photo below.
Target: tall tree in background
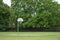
(4, 15)
(37, 13)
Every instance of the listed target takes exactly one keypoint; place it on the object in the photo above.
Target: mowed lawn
(29, 35)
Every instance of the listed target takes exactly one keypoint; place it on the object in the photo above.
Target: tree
(4, 15)
(37, 13)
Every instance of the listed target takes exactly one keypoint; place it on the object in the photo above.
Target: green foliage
(37, 13)
(4, 15)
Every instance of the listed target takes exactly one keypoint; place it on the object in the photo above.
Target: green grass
(29, 35)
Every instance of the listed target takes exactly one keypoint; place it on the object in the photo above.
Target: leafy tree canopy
(37, 13)
(4, 15)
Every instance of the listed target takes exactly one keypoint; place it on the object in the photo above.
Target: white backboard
(20, 19)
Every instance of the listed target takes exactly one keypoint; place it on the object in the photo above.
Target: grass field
(29, 35)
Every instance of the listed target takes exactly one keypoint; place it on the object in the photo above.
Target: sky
(58, 1)
(8, 2)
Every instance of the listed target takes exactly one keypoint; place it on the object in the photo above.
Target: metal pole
(18, 25)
